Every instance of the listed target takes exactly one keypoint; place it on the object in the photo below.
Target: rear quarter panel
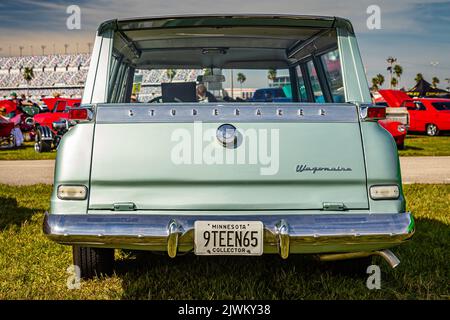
(382, 165)
(73, 164)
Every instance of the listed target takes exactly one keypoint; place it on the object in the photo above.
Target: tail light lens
(384, 192)
(78, 114)
(72, 192)
(375, 113)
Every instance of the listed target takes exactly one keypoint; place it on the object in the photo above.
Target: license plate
(234, 238)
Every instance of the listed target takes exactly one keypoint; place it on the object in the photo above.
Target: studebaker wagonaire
(195, 165)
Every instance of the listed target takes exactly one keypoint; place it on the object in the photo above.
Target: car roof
(221, 41)
(164, 21)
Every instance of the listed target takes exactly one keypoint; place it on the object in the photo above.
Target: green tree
(390, 69)
(418, 77)
(435, 82)
(28, 75)
(171, 74)
(394, 82)
(272, 74)
(381, 79)
(207, 72)
(375, 84)
(398, 71)
(241, 79)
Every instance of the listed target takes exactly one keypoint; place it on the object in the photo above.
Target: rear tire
(432, 130)
(93, 261)
(42, 145)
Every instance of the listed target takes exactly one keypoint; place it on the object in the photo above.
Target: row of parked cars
(44, 122)
(414, 115)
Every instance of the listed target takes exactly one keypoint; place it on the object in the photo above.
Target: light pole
(89, 47)
(20, 49)
(448, 81)
(65, 48)
(43, 50)
(31, 49)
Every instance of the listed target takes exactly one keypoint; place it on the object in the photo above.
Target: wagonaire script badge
(303, 167)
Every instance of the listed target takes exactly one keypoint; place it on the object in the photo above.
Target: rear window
(315, 84)
(441, 106)
(332, 66)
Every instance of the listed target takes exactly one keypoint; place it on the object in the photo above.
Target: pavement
(414, 170)
(425, 169)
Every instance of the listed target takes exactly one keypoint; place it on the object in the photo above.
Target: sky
(416, 32)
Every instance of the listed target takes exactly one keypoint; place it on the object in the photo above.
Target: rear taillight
(387, 192)
(376, 113)
(72, 192)
(78, 114)
(373, 113)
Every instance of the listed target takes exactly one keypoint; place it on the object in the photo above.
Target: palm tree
(28, 75)
(391, 61)
(394, 82)
(207, 72)
(170, 73)
(241, 79)
(435, 82)
(398, 71)
(381, 79)
(375, 84)
(272, 74)
(418, 77)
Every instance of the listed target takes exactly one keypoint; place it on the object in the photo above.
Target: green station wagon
(171, 153)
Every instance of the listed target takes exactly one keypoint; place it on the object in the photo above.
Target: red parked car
(51, 102)
(51, 126)
(429, 115)
(397, 130)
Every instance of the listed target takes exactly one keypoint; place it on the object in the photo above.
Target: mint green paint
(132, 163)
(355, 82)
(382, 165)
(73, 163)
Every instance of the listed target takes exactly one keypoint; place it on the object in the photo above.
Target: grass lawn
(31, 267)
(422, 145)
(25, 152)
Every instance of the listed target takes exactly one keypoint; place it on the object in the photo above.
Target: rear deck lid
(173, 157)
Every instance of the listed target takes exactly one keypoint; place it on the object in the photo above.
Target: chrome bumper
(283, 234)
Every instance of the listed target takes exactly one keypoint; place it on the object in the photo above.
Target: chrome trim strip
(282, 233)
(244, 112)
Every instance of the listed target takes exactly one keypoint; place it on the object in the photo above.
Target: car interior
(213, 53)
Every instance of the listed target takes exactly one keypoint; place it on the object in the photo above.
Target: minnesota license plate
(229, 238)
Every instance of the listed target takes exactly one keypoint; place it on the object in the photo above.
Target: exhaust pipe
(386, 254)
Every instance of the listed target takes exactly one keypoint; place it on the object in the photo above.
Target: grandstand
(63, 73)
(66, 74)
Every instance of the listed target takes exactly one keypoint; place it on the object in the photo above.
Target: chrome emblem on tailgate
(227, 135)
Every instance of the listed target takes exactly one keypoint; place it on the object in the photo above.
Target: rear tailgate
(296, 157)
